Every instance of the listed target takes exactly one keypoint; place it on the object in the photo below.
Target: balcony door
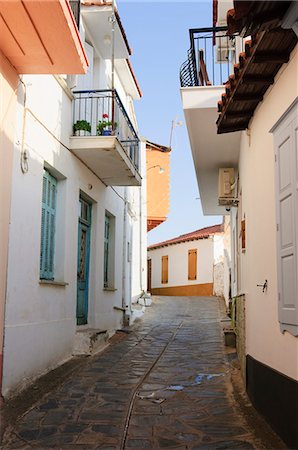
(85, 83)
(149, 274)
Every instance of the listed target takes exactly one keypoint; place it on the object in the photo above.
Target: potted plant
(81, 127)
(104, 126)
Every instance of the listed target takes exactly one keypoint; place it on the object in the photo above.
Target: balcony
(202, 77)
(104, 138)
(209, 59)
(32, 33)
(97, 20)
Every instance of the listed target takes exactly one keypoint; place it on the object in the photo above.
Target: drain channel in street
(131, 403)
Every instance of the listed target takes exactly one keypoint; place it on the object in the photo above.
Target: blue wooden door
(83, 261)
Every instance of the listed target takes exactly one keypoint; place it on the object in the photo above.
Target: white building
(77, 234)
(188, 265)
(246, 164)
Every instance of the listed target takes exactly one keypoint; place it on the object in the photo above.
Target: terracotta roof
(160, 147)
(203, 233)
(154, 222)
(262, 58)
(104, 3)
(249, 17)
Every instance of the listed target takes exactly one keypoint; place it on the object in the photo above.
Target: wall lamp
(161, 169)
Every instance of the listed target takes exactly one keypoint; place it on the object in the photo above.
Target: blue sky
(158, 34)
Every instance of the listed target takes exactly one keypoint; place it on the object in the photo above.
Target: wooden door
(83, 262)
(149, 274)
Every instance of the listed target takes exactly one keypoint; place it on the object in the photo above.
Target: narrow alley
(166, 383)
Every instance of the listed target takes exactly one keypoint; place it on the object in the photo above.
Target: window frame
(106, 251)
(109, 252)
(192, 276)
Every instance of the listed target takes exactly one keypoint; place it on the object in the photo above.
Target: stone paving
(165, 385)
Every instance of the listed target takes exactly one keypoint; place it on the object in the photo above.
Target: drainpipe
(141, 243)
(142, 190)
(24, 168)
(113, 20)
(124, 305)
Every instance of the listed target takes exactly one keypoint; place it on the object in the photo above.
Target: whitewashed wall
(227, 259)
(264, 342)
(218, 265)
(40, 321)
(178, 263)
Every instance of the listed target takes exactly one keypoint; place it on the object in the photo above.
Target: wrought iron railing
(188, 71)
(75, 7)
(209, 58)
(101, 113)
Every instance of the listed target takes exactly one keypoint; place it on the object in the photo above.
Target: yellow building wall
(158, 186)
(203, 289)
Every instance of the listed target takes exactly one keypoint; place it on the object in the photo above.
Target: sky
(158, 34)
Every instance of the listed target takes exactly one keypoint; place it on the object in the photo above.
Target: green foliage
(102, 124)
(82, 125)
(105, 124)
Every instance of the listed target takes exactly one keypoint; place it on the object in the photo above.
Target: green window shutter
(48, 220)
(106, 250)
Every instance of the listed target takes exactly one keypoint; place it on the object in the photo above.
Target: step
(90, 341)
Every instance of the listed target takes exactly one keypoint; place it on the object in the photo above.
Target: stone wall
(240, 333)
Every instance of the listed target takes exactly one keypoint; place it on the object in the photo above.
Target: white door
(85, 82)
(286, 159)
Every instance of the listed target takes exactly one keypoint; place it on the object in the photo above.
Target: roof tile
(192, 236)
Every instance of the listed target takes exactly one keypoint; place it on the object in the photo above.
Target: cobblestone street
(165, 384)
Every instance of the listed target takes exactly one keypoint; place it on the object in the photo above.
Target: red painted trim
(134, 78)
(1, 373)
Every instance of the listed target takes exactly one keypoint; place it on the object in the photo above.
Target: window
(164, 269)
(75, 7)
(243, 240)
(48, 220)
(106, 249)
(109, 251)
(286, 162)
(192, 264)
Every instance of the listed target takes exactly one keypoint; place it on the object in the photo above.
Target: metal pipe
(113, 20)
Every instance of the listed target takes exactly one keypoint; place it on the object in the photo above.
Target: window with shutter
(109, 251)
(164, 269)
(243, 242)
(48, 221)
(192, 264)
(106, 250)
(286, 161)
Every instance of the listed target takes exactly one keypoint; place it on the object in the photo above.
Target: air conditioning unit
(227, 187)
(224, 54)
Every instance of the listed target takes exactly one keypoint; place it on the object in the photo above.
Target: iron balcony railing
(101, 113)
(75, 6)
(209, 58)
